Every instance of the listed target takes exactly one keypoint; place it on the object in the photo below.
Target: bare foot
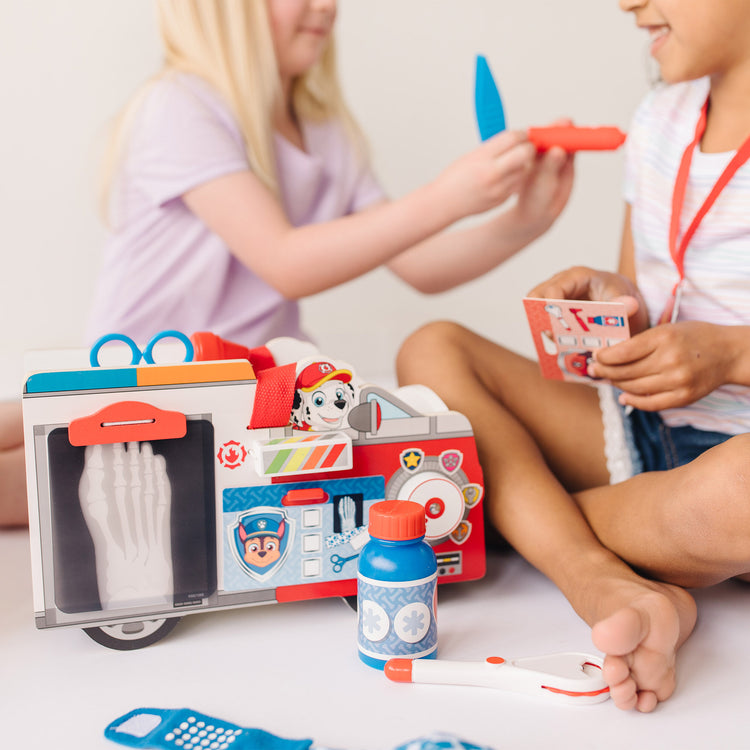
(640, 640)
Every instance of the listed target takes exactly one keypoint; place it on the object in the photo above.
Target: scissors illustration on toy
(491, 121)
(339, 562)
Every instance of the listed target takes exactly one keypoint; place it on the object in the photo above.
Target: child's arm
(452, 258)
(13, 509)
(299, 261)
(627, 250)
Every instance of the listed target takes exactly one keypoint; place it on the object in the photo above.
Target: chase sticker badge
(260, 540)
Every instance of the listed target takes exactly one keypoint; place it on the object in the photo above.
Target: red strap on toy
(261, 358)
(274, 396)
(208, 346)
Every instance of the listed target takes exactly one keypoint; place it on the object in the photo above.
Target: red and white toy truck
(157, 491)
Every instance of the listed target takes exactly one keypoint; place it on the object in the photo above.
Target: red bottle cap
(397, 520)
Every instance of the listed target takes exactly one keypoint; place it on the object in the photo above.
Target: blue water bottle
(396, 586)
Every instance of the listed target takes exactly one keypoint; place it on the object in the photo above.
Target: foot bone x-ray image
(125, 497)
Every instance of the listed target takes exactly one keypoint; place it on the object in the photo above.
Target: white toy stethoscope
(572, 678)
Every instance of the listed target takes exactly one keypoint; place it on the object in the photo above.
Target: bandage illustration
(125, 496)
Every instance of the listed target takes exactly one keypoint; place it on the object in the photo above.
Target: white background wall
(66, 67)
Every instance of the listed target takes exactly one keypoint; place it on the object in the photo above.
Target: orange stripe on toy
(198, 372)
(315, 457)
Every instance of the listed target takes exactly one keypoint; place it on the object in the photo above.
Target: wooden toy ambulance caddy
(157, 491)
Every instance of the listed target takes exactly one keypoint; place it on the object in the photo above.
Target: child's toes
(615, 669)
(624, 694)
(654, 672)
(647, 701)
(621, 632)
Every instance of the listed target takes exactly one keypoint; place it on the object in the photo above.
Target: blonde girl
(239, 183)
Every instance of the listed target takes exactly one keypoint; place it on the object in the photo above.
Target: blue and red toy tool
(490, 115)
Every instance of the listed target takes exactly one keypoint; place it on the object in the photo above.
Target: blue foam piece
(440, 741)
(82, 380)
(487, 102)
(183, 728)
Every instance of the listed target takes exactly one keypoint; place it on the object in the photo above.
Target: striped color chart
(305, 453)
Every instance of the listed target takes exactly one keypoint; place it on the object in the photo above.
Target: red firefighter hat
(318, 373)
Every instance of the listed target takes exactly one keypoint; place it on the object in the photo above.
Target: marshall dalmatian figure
(323, 397)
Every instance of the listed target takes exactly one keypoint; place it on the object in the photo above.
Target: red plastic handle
(127, 421)
(572, 138)
(305, 496)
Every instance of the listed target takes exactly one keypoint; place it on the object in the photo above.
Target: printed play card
(566, 333)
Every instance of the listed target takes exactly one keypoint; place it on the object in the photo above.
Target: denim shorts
(654, 446)
(637, 441)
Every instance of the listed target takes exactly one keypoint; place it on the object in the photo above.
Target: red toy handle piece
(572, 138)
(305, 496)
(208, 346)
(127, 421)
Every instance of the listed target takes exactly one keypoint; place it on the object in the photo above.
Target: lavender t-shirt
(162, 267)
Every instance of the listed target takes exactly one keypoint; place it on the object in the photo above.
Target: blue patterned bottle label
(396, 618)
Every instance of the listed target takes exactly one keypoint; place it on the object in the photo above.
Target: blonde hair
(228, 43)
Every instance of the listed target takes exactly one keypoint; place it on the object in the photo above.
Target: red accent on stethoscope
(677, 249)
(576, 693)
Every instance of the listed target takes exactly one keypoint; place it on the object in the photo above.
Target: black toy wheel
(129, 636)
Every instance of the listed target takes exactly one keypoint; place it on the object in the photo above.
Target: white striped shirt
(717, 261)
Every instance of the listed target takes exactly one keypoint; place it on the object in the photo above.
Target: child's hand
(581, 282)
(487, 176)
(669, 365)
(546, 189)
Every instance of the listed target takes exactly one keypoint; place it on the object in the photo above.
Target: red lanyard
(677, 249)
